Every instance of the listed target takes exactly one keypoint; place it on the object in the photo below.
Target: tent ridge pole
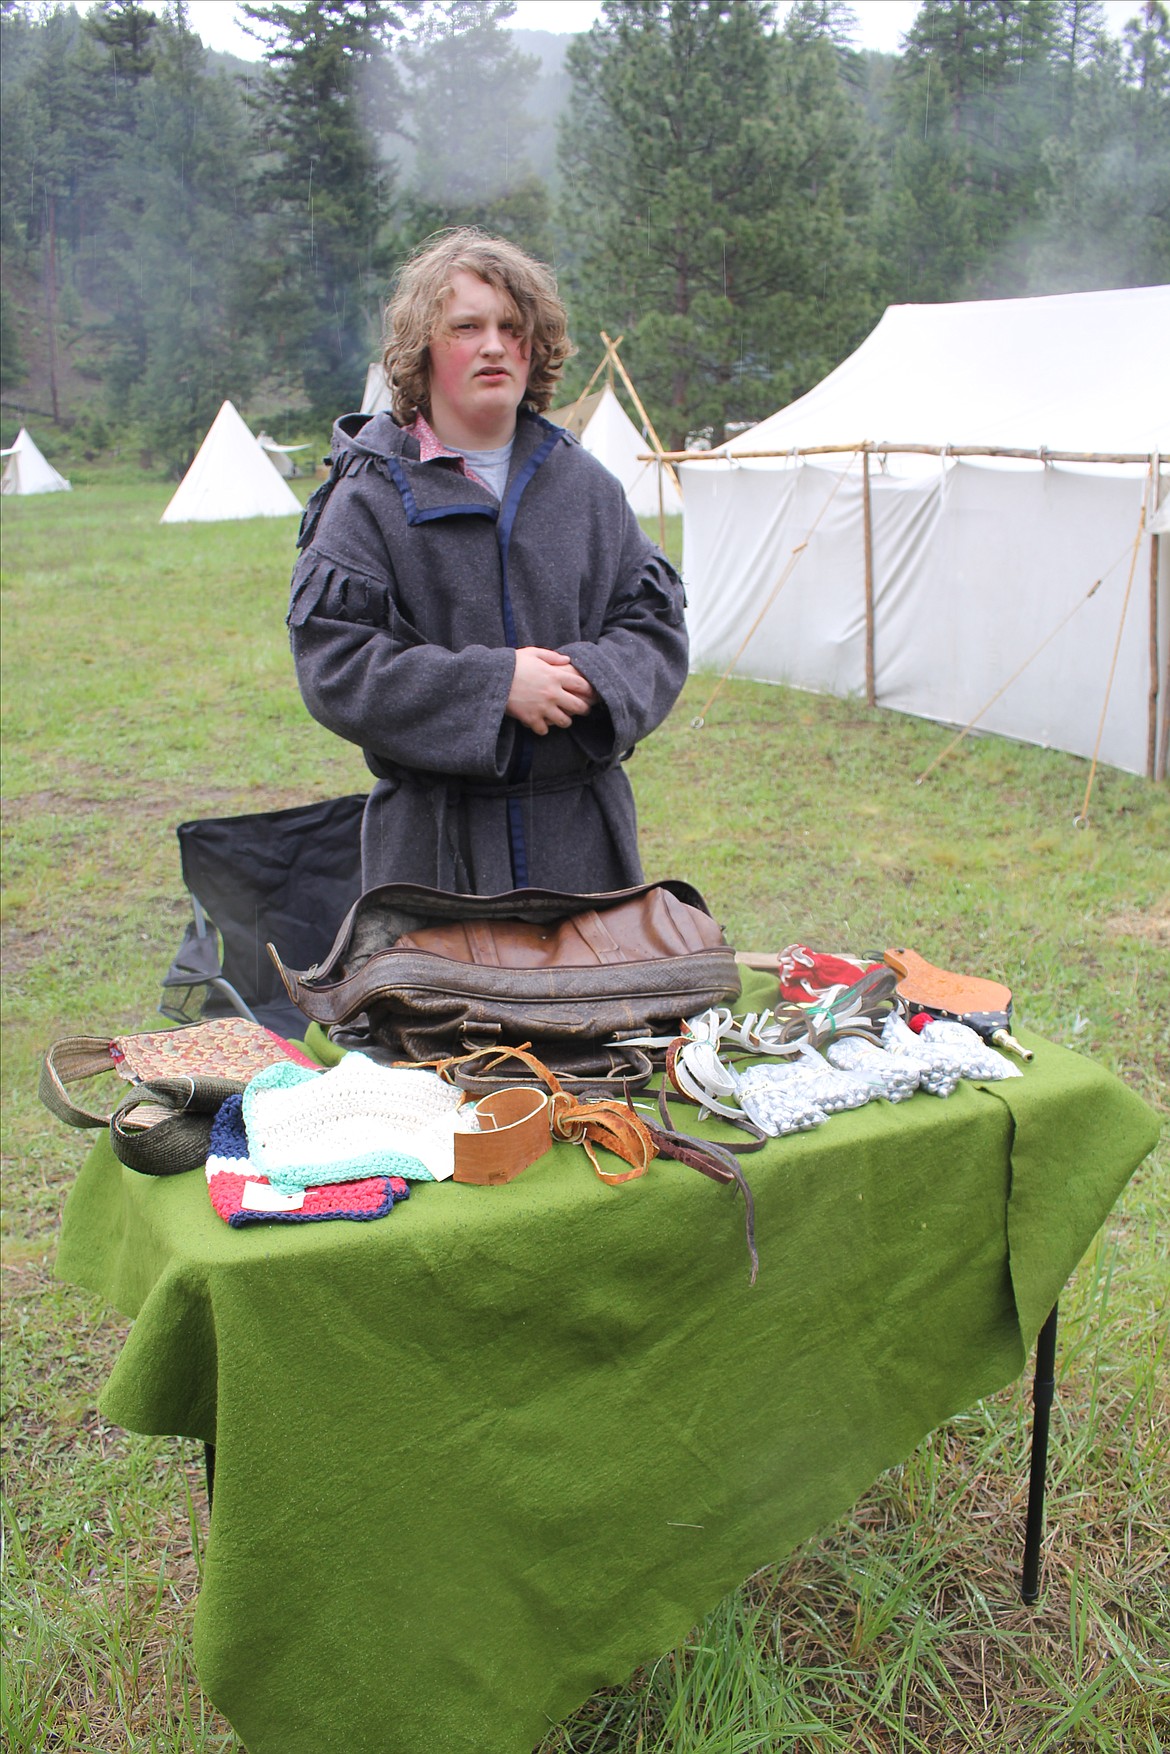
(601, 367)
(722, 455)
(615, 359)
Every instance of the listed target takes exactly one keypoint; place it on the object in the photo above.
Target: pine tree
(18, 49)
(1107, 204)
(708, 209)
(330, 89)
(976, 93)
(50, 144)
(116, 66)
(461, 62)
(465, 98)
(191, 254)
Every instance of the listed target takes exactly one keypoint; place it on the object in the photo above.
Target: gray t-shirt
(490, 466)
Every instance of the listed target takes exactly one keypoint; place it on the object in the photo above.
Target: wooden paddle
(984, 1006)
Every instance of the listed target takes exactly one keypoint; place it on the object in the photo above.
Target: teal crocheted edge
(284, 1075)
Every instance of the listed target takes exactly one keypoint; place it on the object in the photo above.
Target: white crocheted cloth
(356, 1119)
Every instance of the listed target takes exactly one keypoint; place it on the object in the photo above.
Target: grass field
(146, 681)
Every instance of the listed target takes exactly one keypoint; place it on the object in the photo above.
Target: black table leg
(1043, 1393)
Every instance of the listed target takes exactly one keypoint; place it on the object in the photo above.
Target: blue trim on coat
(410, 504)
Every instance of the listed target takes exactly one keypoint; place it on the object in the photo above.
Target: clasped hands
(547, 689)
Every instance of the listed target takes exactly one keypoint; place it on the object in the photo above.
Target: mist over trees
(740, 198)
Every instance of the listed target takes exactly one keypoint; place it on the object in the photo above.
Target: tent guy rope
(1032, 656)
(1151, 480)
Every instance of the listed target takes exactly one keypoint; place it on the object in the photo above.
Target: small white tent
(231, 477)
(280, 456)
(376, 394)
(607, 433)
(27, 471)
(957, 586)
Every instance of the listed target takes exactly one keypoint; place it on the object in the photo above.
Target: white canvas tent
(27, 471)
(376, 394)
(280, 456)
(607, 433)
(978, 598)
(231, 477)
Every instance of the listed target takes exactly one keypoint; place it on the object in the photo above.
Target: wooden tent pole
(1164, 740)
(611, 348)
(601, 367)
(867, 527)
(1152, 721)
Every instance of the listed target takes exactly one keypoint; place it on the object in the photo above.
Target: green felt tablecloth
(488, 1453)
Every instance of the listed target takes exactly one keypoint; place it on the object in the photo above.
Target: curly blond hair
(414, 311)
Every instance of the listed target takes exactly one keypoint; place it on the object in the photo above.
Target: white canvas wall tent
(959, 522)
(607, 433)
(231, 477)
(27, 471)
(376, 394)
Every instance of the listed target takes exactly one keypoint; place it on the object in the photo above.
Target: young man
(475, 604)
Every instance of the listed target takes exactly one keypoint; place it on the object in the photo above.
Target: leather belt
(457, 789)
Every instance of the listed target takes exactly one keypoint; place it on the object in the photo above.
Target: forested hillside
(739, 199)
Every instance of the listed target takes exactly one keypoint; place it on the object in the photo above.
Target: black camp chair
(282, 876)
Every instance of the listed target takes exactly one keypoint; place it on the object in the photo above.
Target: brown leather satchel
(431, 975)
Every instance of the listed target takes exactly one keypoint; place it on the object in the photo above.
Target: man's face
(478, 365)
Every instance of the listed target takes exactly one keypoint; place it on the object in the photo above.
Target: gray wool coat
(413, 587)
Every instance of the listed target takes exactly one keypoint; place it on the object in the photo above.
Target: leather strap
(711, 1160)
(483, 1068)
(610, 1123)
(617, 1128)
(514, 1132)
(689, 1090)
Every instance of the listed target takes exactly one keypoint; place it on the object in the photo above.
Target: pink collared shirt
(431, 446)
